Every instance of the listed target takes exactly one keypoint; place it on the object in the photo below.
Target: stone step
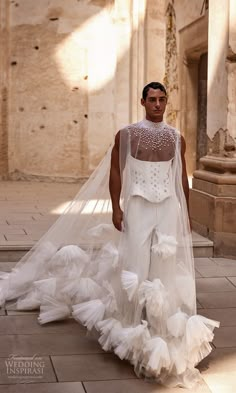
(202, 248)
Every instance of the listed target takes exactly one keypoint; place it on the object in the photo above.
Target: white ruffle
(177, 350)
(165, 246)
(110, 251)
(109, 329)
(176, 324)
(53, 310)
(129, 281)
(82, 289)
(47, 286)
(68, 262)
(33, 299)
(30, 301)
(110, 298)
(158, 354)
(89, 313)
(153, 293)
(199, 332)
(131, 341)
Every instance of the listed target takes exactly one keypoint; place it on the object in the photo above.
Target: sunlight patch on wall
(89, 52)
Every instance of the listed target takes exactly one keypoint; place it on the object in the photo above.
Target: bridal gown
(135, 288)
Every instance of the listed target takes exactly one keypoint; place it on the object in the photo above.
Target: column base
(213, 204)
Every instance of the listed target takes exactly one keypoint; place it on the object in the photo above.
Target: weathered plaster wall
(4, 32)
(73, 76)
(231, 68)
(171, 66)
(155, 46)
(187, 12)
(59, 89)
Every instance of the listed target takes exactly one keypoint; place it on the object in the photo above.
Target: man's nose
(157, 103)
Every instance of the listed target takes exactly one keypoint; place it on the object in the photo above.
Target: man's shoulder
(172, 128)
(131, 125)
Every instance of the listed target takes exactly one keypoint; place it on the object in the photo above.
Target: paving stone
(48, 344)
(197, 274)
(9, 373)
(220, 284)
(225, 337)
(28, 324)
(11, 229)
(199, 305)
(220, 360)
(203, 262)
(91, 367)
(232, 280)
(217, 271)
(138, 386)
(62, 387)
(217, 299)
(13, 237)
(12, 253)
(224, 262)
(218, 370)
(29, 243)
(15, 312)
(226, 316)
(221, 383)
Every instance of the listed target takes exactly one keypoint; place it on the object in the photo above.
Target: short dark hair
(153, 85)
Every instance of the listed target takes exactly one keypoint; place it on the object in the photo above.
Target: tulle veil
(80, 268)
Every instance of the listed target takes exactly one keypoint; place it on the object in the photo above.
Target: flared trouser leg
(145, 221)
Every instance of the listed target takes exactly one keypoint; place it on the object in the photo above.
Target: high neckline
(152, 124)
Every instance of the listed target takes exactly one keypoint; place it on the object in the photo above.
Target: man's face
(155, 105)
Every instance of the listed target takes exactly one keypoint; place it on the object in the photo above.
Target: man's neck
(153, 123)
(154, 120)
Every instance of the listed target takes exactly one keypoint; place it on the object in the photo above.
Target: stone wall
(56, 85)
(4, 70)
(71, 75)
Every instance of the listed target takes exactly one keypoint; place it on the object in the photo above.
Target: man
(149, 192)
(154, 100)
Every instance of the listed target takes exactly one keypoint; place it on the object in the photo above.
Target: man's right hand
(117, 218)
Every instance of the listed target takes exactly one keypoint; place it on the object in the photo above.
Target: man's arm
(184, 172)
(115, 184)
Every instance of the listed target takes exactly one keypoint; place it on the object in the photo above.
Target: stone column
(147, 50)
(137, 60)
(4, 59)
(213, 197)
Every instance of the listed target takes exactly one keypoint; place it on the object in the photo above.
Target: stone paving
(70, 361)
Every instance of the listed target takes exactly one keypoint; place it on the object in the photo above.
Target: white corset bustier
(151, 180)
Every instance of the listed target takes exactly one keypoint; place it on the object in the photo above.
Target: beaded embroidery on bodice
(158, 137)
(152, 149)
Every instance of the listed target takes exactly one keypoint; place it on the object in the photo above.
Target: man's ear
(142, 101)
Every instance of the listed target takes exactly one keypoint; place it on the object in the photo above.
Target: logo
(24, 367)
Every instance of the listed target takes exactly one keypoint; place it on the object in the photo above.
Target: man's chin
(157, 117)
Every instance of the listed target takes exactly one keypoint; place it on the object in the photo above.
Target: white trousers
(144, 220)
